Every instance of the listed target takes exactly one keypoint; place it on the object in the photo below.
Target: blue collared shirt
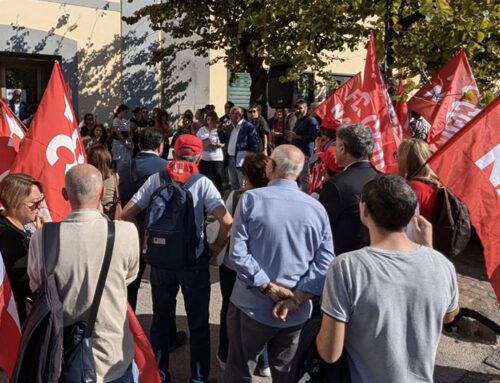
(281, 235)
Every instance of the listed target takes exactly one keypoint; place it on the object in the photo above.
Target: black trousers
(214, 170)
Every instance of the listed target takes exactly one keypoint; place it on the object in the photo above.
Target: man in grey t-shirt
(386, 303)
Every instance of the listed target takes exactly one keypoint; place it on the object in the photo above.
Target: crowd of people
(306, 228)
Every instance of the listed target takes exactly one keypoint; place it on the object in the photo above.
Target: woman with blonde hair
(21, 197)
(412, 155)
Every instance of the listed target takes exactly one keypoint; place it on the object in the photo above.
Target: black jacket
(340, 197)
(14, 246)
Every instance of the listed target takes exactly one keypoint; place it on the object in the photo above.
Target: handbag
(118, 201)
(78, 359)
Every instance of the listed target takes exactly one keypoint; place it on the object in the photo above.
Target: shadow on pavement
(456, 375)
(471, 261)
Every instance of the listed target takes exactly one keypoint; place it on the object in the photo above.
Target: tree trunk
(258, 89)
(390, 34)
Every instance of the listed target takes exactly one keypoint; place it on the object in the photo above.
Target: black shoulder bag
(78, 359)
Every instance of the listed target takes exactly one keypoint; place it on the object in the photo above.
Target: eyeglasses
(36, 204)
(253, 111)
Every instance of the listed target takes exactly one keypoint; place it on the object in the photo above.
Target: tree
(418, 37)
(413, 36)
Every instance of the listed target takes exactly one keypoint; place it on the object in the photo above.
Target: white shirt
(209, 152)
(17, 109)
(231, 146)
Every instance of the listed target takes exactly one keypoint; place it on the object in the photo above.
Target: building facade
(104, 60)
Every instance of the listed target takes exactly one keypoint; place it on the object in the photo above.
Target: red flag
(53, 144)
(11, 134)
(332, 110)
(10, 331)
(380, 115)
(144, 357)
(402, 112)
(472, 157)
(448, 101)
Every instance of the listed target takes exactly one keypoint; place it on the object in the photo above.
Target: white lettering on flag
(67, 112)
(492, 157)
(62, 140)
(359, 97)
(15, 130)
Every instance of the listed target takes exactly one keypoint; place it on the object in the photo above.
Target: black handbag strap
(102, 280)
(50, 238)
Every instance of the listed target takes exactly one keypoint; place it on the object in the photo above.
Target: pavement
(467, 354)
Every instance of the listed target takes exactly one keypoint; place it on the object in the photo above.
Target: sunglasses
(253, 111)
(36, 204)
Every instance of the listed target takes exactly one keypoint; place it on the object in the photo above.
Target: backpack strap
(133, 170)
(192, 179)
(102, 280)
(50, 241)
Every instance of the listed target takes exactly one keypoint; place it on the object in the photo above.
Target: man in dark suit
(239, 138)
(132, 175)
(340, 195)
(18, 106)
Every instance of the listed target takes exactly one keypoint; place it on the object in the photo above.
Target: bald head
(288, 160)
(83, 185)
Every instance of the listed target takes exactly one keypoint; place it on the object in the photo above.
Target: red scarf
(180, 171)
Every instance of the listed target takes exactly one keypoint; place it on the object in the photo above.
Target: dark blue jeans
(195, 286)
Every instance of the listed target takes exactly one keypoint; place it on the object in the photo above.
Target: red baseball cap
(330, 159)
(188, 145)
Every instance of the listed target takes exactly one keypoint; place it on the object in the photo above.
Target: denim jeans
(235, 174)
(195, 286)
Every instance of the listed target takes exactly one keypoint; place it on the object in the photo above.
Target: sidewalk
(460, 358)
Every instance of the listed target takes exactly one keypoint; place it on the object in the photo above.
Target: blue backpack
(171, 236)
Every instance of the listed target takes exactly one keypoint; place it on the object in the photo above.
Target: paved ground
(461, 354)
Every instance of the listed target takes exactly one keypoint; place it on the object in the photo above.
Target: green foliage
(257, 33)
(430, 32)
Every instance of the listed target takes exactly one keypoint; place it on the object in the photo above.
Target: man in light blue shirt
(281, 247)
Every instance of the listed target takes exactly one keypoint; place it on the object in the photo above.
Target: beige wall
(98, 36)
(219, 83)
(353, 62)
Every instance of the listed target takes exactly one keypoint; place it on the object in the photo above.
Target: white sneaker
(222, 364)
(264, 372)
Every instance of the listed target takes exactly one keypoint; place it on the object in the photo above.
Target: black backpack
(50, 353)
(40, 353)
(451, 228)
(171, 234)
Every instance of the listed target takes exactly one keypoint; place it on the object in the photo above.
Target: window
(27, 72)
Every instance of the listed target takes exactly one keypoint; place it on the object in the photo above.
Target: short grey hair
(357, 139)
(288, 163)
(83, 183)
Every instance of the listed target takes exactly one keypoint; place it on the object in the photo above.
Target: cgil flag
(472, 157)
(402, 112)
(53, 144)
(332, 111)
(144, 357)
(10, 331)
(11, 135)
(380, 115)
(448, 101)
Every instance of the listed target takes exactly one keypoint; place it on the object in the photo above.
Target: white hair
(83, 183)
(288, 163)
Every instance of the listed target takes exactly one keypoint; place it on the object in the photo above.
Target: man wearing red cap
(194, 281)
